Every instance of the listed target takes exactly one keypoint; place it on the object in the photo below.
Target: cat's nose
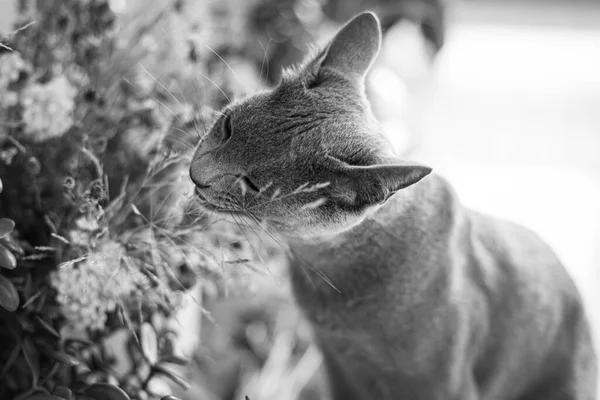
(196, 179)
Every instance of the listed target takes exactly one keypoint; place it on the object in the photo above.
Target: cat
(409, 294)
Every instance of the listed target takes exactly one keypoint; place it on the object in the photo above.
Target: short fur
(410, 295)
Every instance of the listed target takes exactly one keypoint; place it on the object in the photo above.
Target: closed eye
(312, 82)
(227, 128)
(249, 184)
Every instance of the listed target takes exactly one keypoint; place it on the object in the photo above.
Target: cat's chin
(218, 210)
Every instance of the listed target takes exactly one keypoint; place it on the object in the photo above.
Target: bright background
(512, 119)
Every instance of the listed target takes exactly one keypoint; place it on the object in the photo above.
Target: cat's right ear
(371, 185)
(355, 47)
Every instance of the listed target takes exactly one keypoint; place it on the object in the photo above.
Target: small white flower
(9, 99)
(90, 289)
(48, 108)
(11, 66)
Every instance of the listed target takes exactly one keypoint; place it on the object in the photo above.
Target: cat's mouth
(208, 205)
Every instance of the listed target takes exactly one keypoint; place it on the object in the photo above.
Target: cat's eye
(249, 184)
(227, 128)
(312, 82)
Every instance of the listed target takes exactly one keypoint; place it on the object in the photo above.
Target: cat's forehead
(291, 101)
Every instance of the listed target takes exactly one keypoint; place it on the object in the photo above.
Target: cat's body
(444, 303)
(410, 295)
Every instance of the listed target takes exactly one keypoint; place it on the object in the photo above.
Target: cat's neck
(382, 250)
(391, 213)
(341, 257)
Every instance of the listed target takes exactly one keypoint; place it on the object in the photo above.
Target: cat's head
(308, 157)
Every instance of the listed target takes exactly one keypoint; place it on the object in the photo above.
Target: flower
(90, 289)
(11, 66)
(48, 108)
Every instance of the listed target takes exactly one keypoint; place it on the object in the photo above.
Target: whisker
(217, 86)
(161, 85)
(182, 142)
(303, 262)
(225, 62)
(265, 58)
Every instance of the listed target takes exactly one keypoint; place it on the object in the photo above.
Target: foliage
(99, 236)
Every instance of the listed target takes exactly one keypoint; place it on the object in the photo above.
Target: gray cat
(410, 295)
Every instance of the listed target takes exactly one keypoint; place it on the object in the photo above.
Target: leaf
(172, 375)
(105, 391)
(6, 226)
(1, 186)
(169, 398)
(149, 343)
(9, 297)
(135, 210)
(7, 258)
(43, 396)
(177, 360)
(171, 353)
(63, 358)
(47, 327)
(31, 356)
(64, 392)
(12, 246)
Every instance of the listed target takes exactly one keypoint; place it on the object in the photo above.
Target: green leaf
(105, 391)
(7, 258)
(9, 297)
(171, 375)
(149, 343)
(6, 226)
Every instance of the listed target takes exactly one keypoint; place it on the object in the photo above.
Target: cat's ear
(375, 184)
(354, 47)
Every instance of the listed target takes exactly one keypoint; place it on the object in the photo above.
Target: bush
(100, 238)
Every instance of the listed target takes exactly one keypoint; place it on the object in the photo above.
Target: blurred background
(501, 97)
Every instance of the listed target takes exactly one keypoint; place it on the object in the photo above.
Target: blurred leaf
(12, 246)
(7, 258)
(135, 210)
(43, 396)
(9, 297)
(27, 286)
(172, 375)
(62, 357)
(171, 353)
(169, 398)
(33, 297)
(31, 356)
(6, 226)
(1, 186)
(47, 327)
(9, 361)
(149, 343)
(177, 360)
(104, 391)
(64, 392)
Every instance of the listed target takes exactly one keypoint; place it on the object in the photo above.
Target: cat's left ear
(375, 184)
(354, 47)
